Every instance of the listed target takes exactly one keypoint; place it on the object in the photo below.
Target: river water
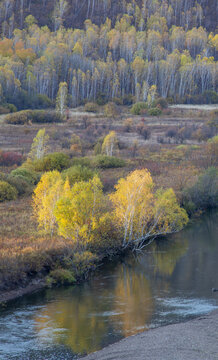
(169, 282)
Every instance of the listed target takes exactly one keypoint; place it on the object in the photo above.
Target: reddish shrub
(10, 158)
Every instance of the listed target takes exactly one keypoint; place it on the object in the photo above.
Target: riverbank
(193, 340)
(10, 295)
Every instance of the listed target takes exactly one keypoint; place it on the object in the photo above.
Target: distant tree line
(144, 48)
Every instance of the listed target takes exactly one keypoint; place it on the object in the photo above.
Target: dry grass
(23, 251)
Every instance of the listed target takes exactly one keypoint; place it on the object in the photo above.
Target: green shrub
(101, 99)
(42, 116)
(162, 102)
(78, 173)
(12, 108)
(91, 107)
(104, 162)
(19, 118)
(204, 194)
(83, 161)
(7, 108)
(55, 161)
(84, 262)
(138, 107)
(111, 110)
(29, 175)
(154, 111)
(21, 184)
(61, 277)
(33, 116)
(7, 192)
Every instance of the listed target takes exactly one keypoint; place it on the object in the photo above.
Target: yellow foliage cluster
(82, 212)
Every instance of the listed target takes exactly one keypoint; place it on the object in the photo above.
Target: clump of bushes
(60, 277)
(91, 107)
(82, 161)
(138, 107)
(128, 123)
(111, 110)
(9, 158)
(143, 130)
(161, 102)
(7, 192)
(33, 116)
(78, 173)
(29, 175)
(21, 184)
(7, 108)
(208, 97)
(105, 162)
(54, 161)
(99, 161)
(204, 194)
(156, 111)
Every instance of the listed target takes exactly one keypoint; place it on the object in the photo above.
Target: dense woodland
(120, 51)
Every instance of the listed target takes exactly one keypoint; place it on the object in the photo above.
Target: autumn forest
(117, 50)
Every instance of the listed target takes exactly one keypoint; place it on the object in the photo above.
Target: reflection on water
(169, 282)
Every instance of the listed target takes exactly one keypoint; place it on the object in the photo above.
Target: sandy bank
(193, 340)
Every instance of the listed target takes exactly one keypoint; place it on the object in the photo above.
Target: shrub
(61, 277)
(162, 102)
(29, 175)
(138, 107)
(84, 262)
(42, 116)
(213, 121)
(118, 101)
(172, 132)
(128, 124)
(7, 192)
(101, 99)
(91, 107)
(21, 184)
(12, 108)
(111, 110)
(55, 161)
(128, 100)
(82, 161)
(36, 116)
(19, 118)
(10, 158)
(78, 173)
(143, 130)
(104, 162)
(204, 194)
(154, 111)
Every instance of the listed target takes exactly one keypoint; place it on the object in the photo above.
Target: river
(169, 282)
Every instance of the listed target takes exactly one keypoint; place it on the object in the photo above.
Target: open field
(91, 126)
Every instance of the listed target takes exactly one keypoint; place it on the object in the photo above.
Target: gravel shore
(193, 340)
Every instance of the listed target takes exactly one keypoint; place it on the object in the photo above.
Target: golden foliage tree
(39, 145)
(110, 143)
(78, 213)
(140, 213)
(47, 193)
